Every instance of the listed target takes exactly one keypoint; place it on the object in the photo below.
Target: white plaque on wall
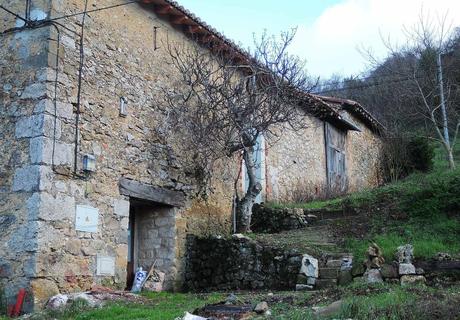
(105, 266)
(86, 218)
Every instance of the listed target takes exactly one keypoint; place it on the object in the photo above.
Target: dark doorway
(130, 266)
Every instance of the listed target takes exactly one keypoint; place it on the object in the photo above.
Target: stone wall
(43, 252)
(296, 161)
(273, 220)
(215, 263)
(363, 158)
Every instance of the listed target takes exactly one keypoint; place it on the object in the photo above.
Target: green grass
(316, 204)
(390, 304)
(159, 306)
(428, 236)
(362, 301)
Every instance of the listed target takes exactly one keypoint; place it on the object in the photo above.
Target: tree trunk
(244, 205)
(450, 155)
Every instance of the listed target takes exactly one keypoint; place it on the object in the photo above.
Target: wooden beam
(195, 29)
(220, 47)
(179, 19)
(148, 192)
(208, 38)
(163, 9)
(438, 266)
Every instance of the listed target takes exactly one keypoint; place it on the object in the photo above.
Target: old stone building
(89, 190)
(331, 156)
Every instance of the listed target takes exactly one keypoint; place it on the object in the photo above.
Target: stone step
(318, 228)
(339, 255)
(322, 244)
(329, 214)
(326, 222)
(333, 263)
(329, 273)
(325, 283)
(318, 239)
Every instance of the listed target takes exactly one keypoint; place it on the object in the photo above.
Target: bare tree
(224, 101)
(418, 87)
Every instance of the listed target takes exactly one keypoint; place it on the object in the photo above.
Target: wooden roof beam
(208, 38)
(179, 19)
(220, 47)
(163, 9)
(195, 29)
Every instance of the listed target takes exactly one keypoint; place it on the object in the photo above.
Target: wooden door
(335, 160)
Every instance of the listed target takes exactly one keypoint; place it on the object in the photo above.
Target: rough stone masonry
(44, 247)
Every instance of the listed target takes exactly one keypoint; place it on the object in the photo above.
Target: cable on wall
(80, 75)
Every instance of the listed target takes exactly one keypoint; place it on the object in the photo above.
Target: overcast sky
(329, 31)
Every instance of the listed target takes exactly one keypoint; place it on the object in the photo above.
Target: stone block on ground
(334, 263)
(303, 287)
(328, 310)
(373, 276)
(309, 266)
(389, 271)
(328, 273)
(261, 307)
(406, 268)
(412, 279)
(311, 281)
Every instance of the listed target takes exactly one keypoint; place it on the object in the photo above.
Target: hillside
(423, 209)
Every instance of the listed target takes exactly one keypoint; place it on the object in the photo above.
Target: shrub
(403, 155)
(421, 154)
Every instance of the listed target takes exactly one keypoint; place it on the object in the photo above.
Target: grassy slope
(430, 202)
(364, 302)
(361, 301)
(159, 306)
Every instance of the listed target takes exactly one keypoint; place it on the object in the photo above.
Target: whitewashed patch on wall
(86, 218)
(105, 266)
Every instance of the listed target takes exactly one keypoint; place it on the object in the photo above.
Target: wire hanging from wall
(80, 76)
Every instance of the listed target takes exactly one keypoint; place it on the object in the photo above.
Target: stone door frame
(154, 210)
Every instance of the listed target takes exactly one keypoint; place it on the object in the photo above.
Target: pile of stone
(402, 270)
(374, 264)
(406, 270)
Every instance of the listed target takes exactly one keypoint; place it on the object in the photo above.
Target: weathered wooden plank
(335, 159)
(433, 265)
(148, 192)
